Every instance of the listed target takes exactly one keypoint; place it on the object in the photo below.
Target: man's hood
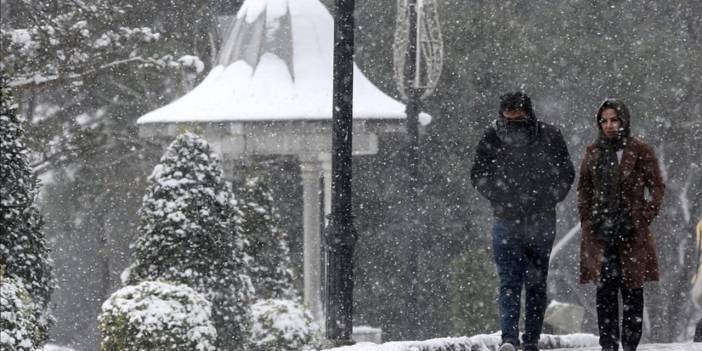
(526, 105)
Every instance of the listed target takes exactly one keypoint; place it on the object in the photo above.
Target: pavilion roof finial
(257, 31)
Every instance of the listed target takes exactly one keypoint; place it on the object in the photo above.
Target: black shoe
(507, 346)
(531, 347)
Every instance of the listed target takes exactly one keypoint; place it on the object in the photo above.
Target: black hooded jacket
(523, 181)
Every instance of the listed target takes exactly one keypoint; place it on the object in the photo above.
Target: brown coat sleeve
(585, 188)
(654, 182)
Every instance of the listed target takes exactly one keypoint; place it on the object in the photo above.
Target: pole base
(330, 344)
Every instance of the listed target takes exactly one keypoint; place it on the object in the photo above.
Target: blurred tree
(473, 306)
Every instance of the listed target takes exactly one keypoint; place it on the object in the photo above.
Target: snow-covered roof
(276, 64)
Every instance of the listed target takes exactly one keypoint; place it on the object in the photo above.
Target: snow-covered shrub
(268, 244)
(280, 325)
(19, 330)
(156, 316)
(189, 235)
(23, 251)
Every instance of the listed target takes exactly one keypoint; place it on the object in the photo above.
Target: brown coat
(638, 170)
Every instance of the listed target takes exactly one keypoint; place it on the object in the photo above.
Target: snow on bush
(19, 329)
(280, 325)
(189, 234)
(157, 316)
(192, 61)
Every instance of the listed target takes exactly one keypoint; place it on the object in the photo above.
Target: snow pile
(481, 342)
(52, 347)
(18, 324)
(157, 316)
(281, 325)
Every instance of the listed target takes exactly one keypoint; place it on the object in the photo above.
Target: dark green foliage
(188, 234)
(268, 243)
(23, 250)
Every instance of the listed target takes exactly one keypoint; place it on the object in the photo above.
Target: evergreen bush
(19, 328)
(282, 325)
(189, 235)
(157, 316)
(23, 250)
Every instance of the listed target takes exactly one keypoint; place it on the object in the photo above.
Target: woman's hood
(622, 113)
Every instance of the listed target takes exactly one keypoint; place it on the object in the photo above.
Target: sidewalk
(649, 347)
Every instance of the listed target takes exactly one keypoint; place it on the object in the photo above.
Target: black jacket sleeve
(564, 167)
(484, 175)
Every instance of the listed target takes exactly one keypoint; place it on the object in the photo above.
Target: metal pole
(340, 233)
(411, 320)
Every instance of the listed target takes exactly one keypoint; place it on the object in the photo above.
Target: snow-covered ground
(650, 347)
(52, 347)
(645, 347)
(572, 342)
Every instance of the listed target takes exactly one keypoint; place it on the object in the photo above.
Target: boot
(507, 346)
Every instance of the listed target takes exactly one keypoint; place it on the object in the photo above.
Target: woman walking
(618, 252)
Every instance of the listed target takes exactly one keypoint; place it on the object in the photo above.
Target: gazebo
(271, 94)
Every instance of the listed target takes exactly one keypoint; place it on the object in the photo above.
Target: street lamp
(340, 234)
(418, 60)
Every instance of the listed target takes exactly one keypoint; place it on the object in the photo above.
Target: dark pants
(522, 249)
(611, 284)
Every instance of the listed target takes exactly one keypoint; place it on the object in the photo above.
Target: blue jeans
(521, 249)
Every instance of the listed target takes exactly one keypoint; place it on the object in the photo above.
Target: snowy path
(403, 346)
(649, 347)
(571, 342)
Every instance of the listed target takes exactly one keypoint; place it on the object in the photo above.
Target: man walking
(523, 168)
